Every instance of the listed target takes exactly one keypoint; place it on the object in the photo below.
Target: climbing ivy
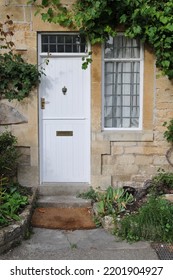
(17, 77)
(149, 20)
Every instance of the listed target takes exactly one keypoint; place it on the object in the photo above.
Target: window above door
(122, 83)
(63, 43)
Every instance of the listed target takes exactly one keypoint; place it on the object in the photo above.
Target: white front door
(65, 121)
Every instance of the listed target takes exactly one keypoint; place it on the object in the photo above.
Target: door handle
(42, 103)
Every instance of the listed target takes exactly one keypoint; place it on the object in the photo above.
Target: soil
(63, 218)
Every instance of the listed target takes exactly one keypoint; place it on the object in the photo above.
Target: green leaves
(9, 155)
(151, 21)
(11, 204)
(153, 222)
(17, 78)
(168, 134)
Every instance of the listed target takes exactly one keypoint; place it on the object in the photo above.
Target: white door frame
(60, 55)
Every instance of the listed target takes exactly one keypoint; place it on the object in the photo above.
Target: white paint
(65, 158)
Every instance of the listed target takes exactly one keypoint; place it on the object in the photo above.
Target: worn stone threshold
(62, 201)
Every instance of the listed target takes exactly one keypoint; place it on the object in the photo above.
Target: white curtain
(122, 79)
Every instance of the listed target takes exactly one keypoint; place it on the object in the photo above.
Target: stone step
(62, 201)
(64, 189)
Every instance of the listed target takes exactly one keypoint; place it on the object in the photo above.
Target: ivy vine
(17, 77)
(149, 20)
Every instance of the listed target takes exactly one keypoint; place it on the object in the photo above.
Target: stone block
(96, 164)
(16, 13)
(159, 160)
(17, 2)
(25, 158)
(120, 180)
(100, 147)
(116, 150)
(34, 156)
(28, 176)
(108, 223)
(22, 134)
(143, 160)
(28, 14)
(107, 160)
(143, 150)
(125, 169)
(124, 159)
(108, 169)
(100, 181)
(12, 233)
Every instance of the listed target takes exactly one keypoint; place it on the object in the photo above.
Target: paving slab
(95, 244)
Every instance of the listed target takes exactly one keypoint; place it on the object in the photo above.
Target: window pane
(44, 39)
(52, 48)
(68, 48)
(52, 39)
(122, 83)
(63, 43)
(122, 47)
(44, 48)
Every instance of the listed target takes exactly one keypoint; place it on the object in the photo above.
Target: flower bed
(13, 234)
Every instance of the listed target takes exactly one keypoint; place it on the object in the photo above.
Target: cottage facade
(101, 126)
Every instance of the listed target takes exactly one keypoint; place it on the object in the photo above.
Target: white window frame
(141, 60)
(65, 54)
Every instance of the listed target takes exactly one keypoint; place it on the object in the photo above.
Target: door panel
(65, 121)
(65, 157)
(60, 73)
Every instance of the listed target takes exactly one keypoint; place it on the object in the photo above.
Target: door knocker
(64, 90)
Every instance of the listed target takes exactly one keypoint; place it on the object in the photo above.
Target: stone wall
(22, 117)
(117, 158)
(130, 157)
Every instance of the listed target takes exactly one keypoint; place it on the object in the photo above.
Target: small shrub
(9, 155)
(152, 222)
(113, 201)
(162, 182)
(110, 202)
(168, 134)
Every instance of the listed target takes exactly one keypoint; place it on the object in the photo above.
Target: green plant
(162, 182)
(168, 134)
(9, 155)
(152, 222)
(151, 21)
(113, 201)
(90, 194)
(17, 77)
(12, 202)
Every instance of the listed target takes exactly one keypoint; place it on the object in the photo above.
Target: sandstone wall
(26, 127)
(128, 158)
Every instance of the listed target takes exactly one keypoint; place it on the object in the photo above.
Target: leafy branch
(149, 20)
(17, 77)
